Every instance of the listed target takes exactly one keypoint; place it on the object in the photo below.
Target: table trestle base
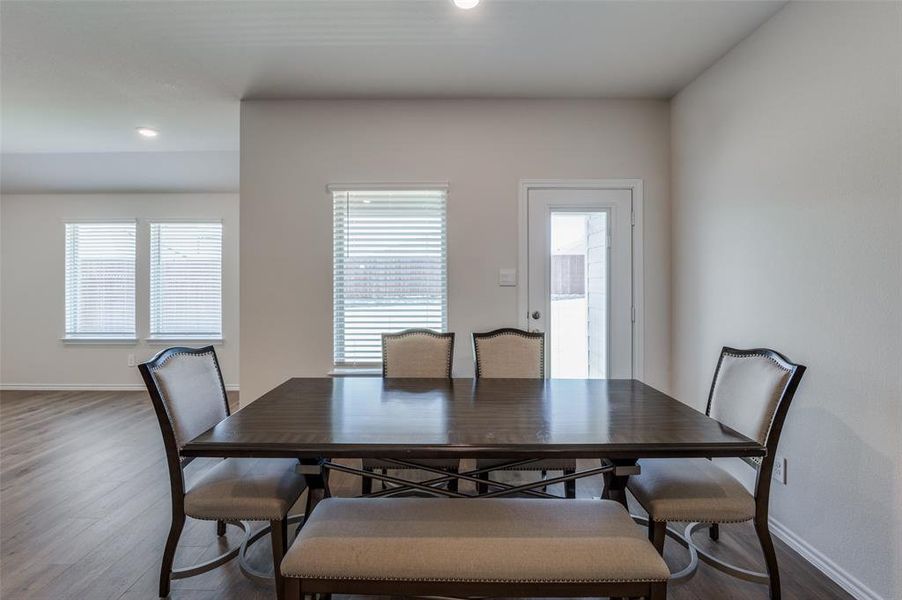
(432, 486)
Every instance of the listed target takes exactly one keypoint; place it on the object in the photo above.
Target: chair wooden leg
(770, 556)
(220, 528)
(657, 533)
(279, 537)
(172, 542)
(482, 488)
(452, 485)
(366, 484)
(570, 486)
(714, 532)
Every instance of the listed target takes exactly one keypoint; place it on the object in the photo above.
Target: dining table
(408, 421)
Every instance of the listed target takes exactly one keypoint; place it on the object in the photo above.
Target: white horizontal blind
(100, 280)
(389, 269)
(186, 279)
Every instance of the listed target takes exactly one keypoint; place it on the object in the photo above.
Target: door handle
(536, 315)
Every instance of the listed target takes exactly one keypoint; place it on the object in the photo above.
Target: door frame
(637, 254)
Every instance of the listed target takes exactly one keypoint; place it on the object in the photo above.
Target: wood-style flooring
(84, 511)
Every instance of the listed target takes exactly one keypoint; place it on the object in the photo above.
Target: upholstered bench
(491, 547)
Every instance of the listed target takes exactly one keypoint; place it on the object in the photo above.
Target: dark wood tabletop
(464, 418)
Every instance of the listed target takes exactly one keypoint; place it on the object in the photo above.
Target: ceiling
(79, 76)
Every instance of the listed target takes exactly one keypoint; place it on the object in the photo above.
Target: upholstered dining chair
(751, 393)
(518, 354)
(415, 353)
(188, 395)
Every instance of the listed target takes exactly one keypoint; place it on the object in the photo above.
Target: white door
(579, 280)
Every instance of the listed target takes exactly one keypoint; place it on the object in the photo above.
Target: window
(100, 280)
(186, 280)
(390, 268)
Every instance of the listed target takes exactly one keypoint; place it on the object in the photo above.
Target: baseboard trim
(84, 387)
(822, 563)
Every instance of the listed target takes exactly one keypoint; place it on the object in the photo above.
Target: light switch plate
(507, 277)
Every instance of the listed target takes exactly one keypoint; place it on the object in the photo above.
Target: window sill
(356, 372)
(169, 340)
(100, 341)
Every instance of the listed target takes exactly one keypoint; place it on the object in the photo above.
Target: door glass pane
(579, 300)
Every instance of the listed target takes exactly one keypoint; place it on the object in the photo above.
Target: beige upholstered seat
(417, 353)
(745, 394)
(245, 489)
(188, 395)
(751, 393)
(488, 540)
(746, 391)
(691, 490)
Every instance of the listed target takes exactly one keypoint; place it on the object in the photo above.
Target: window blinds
(389, 269)
(186, 280)
(100, 280)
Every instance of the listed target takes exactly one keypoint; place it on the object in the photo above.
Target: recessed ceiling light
(466, 4)
(148, 132)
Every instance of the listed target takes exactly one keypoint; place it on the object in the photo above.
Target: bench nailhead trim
(464, 580)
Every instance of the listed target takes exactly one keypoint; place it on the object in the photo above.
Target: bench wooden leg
(292, 588)
(658, 591)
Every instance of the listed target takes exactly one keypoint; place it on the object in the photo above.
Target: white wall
(290, 151)
(32, 300)
(787, 232)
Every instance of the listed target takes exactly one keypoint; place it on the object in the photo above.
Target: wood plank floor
(84, 511)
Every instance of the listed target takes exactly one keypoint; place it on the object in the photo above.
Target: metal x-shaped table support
(433, 486)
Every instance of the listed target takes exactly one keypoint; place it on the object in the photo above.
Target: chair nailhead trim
(688, 520)
(174, 354)
(764, 356)
(230, 518)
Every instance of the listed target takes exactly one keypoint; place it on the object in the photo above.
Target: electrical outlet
(131, 360)
(780, 469)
